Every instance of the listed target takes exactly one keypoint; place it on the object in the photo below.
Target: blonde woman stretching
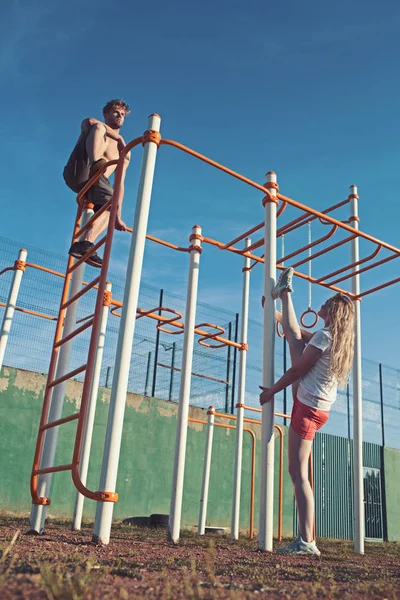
(321, 362)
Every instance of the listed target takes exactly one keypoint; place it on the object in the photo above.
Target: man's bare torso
(110, 153)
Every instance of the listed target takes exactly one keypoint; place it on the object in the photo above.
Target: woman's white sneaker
(299, 546)
(284, 283)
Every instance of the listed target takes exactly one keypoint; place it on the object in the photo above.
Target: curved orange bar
(7, 269)
(321, 252)
(304, 248)
(220, 167)
(376, 264)
(375, 289)
(167, 321)
(303, 219)
(280, 432)
(210, 336)
(253, 465)
(355, 264)
(280, 493)
(340, 224)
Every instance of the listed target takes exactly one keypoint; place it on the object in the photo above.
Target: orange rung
(92, 219)
(86, 256)
(80, 293)
(308, 246)
(54, 469)
(60, 421)
(67, 376)
(74, 333)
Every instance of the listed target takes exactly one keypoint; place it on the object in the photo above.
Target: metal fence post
(381, 399)
(146, 385)
(348, 411)
(171, 381)
(234, 364)
(228, 369)
(153, 387)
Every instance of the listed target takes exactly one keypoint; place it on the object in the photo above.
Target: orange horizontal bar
(73, 333)
(379, 287)
(194, 374)
(93, 218)
(86, 256)
(162, 242)
(367, 268)
(261, 260)
(52, 469)
(67, 376)
(31, 312)
(80, 293)
(283, 415)
(321, 252)
(259, 410)
(60, 421)
(352, 265)
(213, 163)
(244, 235)
(340, 224)
(45, 269)
(305, 218)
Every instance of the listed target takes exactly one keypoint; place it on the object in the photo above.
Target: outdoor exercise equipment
(59, 374)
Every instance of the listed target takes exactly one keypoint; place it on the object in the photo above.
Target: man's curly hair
(116, 103)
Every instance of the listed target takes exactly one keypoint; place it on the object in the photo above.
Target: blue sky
(309, 90)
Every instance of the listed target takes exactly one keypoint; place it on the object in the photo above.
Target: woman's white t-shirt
(317, 388)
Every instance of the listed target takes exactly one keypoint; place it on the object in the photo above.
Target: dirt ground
(140, 563)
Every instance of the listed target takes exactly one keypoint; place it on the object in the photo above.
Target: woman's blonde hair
(341, 324)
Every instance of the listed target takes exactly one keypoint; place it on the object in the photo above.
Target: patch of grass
(7, 559)
(59, 584)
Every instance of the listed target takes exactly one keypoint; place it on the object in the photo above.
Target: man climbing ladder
(98, 144)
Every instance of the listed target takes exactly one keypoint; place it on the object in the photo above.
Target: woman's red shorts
(306, 420)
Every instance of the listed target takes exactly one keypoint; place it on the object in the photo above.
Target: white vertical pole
(9, 309)
(237, 474)
(265, 531)
(359, 532)
(206, 471)
(184, 390)
(112, 445)
(91, 412)
(38, 512)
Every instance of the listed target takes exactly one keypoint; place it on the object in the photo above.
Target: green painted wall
(392, 488)
(145, 470)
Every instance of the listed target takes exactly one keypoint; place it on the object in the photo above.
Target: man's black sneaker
(79, 249)
(95, 261)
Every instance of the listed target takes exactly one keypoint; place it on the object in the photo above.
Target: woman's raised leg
(292, 332)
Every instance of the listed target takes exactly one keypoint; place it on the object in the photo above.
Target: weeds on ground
(7, 559)
(76, 585)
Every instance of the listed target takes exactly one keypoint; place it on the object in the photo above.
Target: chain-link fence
(157, 356)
